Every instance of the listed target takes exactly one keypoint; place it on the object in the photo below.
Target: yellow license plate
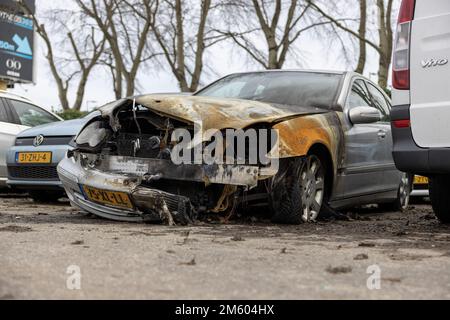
(34, 157)
(420, 180)
(111, 198)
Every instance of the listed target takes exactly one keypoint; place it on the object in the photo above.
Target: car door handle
(382, 134)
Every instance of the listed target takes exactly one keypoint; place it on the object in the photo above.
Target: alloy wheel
(312, 187)
(404, 191)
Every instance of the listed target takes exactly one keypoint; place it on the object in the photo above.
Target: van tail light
(401, 64)
(401, 123)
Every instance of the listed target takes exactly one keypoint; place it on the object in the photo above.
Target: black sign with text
(16, 43)
(12, 5)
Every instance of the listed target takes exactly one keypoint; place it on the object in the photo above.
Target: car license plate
(111, 198)
(34, 157)
(420, 180)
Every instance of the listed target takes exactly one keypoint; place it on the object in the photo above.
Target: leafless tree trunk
(362, 33)
(281, 23)
(85, 49)
(184, 39)
(386, 40)
(127, 35)
(384, 47)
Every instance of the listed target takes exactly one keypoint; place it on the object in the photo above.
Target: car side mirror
(360, 115)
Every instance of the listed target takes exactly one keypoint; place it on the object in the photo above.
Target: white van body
(430, 74)
(421, 98)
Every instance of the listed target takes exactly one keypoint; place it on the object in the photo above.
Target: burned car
(171, 158)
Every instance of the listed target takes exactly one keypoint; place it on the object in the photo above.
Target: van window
(31, 115)
(379, 102)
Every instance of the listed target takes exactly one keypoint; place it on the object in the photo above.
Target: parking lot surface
(365, 254)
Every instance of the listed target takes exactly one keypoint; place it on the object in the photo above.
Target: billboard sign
(12, 5)
(16, 45)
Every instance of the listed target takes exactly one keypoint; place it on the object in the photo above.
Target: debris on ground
(361, 256)
(15, 229)
(339, 270)
(190, 263)
(366, 245)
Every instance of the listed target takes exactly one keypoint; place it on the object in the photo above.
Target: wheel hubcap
(404, 191)
(313, 186)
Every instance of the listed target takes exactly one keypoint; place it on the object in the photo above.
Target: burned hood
(213, 113)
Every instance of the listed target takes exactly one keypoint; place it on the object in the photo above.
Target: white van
(421, 96)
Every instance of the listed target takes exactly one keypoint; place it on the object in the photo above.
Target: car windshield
(31, 115)
(289, 88)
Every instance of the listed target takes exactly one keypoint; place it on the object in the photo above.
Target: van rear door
(430, 73)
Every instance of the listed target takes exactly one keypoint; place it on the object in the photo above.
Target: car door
(365, 147)
(391, 176)
(8, 131)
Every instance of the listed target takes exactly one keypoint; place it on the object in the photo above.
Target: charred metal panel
(146, 168)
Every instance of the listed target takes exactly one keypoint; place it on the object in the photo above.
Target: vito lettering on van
(434, 63)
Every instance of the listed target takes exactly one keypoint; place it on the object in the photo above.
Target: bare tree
(386, 40)
(385, 35)
(182, 31)
(70, 59)
(362, 35)
(281, 23)
(127, 35)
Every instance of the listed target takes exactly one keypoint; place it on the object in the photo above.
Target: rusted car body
(128, 174)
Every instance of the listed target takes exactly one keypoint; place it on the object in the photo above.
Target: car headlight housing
(93, 135)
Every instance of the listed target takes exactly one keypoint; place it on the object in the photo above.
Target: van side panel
(430, 74)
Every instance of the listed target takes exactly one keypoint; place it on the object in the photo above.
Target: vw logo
(38, 140)
(13, 64)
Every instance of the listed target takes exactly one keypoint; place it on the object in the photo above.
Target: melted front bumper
(122, 174)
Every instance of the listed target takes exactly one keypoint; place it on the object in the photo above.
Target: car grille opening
(48, 141)
(33, 173)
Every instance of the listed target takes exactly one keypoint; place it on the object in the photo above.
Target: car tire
(440, 197)
(403, 195)
(297, 192)
(45, 196)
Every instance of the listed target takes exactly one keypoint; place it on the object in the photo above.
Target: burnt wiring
(137, 142)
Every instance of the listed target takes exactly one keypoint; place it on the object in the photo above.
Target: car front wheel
(440, 197)
(298, 190)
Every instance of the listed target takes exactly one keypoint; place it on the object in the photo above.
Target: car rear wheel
(440, 197)
(43, 196)
(298, 190)
(403, 195)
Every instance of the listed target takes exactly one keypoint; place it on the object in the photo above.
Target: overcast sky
(223, 58)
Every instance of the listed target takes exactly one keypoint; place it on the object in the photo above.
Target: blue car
(32, 161)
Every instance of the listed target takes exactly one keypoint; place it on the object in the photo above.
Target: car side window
(31, 115)
(379, 102)
(359, 96)
(3, 113)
